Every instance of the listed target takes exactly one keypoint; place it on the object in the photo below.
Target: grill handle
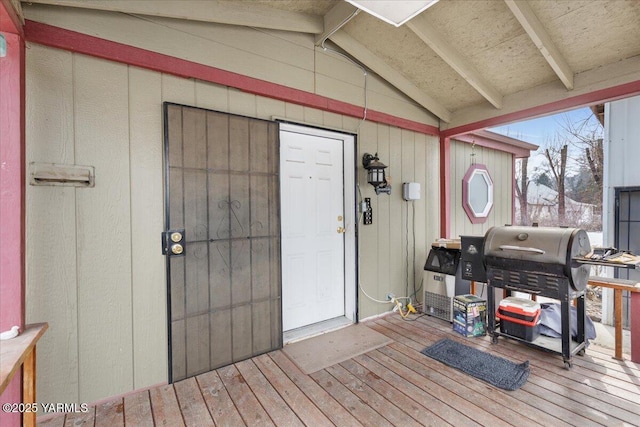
(522, 249)
(521, 289)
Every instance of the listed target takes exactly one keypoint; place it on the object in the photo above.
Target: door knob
(173, 242)
(341, 230)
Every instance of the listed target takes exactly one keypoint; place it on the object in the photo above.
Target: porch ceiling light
(375, 173)
(393, 12)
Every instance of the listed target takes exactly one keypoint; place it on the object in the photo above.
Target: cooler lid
(443, 260)
(520, 305)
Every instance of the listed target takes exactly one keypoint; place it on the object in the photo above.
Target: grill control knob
(523, 236)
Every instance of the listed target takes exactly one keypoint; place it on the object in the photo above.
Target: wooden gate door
(224, 287)
(627, 238)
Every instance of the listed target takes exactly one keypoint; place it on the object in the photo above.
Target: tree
(543, 179)
(522, 191)
(556, 154)
(587, 136)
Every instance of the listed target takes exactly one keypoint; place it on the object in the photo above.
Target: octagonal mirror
(477, 193)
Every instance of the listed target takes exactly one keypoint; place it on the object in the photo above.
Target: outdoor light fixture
(375, 173)
(393, 12)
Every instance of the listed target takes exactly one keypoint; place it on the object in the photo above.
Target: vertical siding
(388, 265)
(500, 167)
(104, 292)
(147, 275)
(103, 249)
(51, 264)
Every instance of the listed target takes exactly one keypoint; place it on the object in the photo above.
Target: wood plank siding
(393, 386)
(104, 295)
(500, 167)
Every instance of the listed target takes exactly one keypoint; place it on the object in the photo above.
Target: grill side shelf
(609, 263)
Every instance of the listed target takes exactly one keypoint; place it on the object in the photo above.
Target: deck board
(137, 409)
(164, 406)
(493, 398)
(394, 385)
(110, 413)
(251, 410)
(293, 396)
(281, 414)
(221, 407)
(194, 409)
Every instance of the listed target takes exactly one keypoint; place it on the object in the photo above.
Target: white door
(313, 221)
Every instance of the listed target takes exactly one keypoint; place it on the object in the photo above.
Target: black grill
(541, 262)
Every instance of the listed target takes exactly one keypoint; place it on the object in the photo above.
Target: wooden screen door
(222, 188)
(627, 238)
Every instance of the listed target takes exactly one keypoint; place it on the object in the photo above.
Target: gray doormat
(495, 370)
(322, 351)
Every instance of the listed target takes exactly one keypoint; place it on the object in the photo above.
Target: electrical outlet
(368, 214)
(390, 296)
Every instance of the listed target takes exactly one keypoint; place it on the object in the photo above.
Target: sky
(541, 130)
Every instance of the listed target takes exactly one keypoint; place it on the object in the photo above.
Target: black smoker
(540, 261)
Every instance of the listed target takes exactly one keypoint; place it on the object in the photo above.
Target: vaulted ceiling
(469, 63)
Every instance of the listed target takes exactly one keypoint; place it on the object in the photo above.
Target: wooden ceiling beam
(390, 74)
(423, 29)
(335, 19)
(248, 14)
(538, 34)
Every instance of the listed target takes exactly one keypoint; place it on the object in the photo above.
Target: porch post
(12, 190)
(445, 186)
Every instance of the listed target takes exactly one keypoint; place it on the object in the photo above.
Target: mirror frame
(477, 171)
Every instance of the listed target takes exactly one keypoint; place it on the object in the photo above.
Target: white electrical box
(411, 191)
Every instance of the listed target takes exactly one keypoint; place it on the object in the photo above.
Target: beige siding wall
(94, 266)
(500, 167)
(281, 57)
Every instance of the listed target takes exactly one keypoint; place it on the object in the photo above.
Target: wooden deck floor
(395, 385)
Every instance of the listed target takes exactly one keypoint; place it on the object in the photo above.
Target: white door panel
(312, 216)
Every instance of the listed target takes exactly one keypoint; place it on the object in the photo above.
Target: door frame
(350, 215)
(626, 299)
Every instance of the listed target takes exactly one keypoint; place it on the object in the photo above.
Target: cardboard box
(470, 315)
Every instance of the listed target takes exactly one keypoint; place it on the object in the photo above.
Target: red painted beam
(60, 38)
(445, 186)
(513, 191)
(12, 203)
(634, 309)
(9, 20)
(598, 96)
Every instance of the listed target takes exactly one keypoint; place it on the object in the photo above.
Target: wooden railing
(21, 352)
(619, 285)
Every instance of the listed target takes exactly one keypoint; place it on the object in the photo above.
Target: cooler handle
(519, 321)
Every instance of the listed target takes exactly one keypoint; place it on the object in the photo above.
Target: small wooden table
(17, 352)
(619, 285)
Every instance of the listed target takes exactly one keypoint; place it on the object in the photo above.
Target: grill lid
(545, 250)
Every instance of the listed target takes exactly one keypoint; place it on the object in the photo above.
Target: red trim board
(598, 96)
(12, 203)
(12, 187)
(9, 20)
(60, 38)
(502, 143)
(445, 187)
